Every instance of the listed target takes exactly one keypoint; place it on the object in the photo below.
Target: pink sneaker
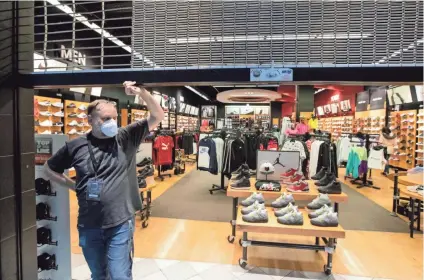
(294, 179)
(301, 186)
(288, 174)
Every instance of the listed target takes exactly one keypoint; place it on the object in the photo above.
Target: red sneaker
(294, 179)
(288, 174)
(301, 186)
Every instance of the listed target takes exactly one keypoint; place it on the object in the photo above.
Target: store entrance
(269, 150)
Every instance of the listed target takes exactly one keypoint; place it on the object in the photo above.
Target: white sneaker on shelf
(72, 131)
(82, 107)
(82, 116)
(44, 103)
(46, 132)
(73, 123)
(59, 114)
(45, 113)
(58, 105)
(46, 123)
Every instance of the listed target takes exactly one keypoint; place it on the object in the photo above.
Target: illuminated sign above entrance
(72, 55)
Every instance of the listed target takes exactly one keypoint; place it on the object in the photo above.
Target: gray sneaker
(328, 219)
(319, 201)
(252, 198)
(283, 211)
(292, 218)
(241, 184)
(283, 201)
(319, 212)
(257, 216)
(255, 206)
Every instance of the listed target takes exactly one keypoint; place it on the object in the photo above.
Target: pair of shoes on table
(141, 183)
(146, 172)
(295, 182)
(144, 162)
(241, 178)
(327, 182)
(254, 210)
(324, 217)
(289, 215)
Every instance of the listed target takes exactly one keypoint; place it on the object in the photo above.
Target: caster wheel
(145, 224)
(327, 270)
(241, 242)
(230, 238)
(142, 217)
(210, 192)
(242, 263)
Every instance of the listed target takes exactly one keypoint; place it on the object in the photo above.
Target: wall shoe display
(328, 178)
(242, 183)
(255, 206)
(293, 218)
(328, 219)
(252, 198)
(320, 174)
(319, 201)
(283, 211)
(333, 188)
(319, 212)
(257, 216)
(283, 201)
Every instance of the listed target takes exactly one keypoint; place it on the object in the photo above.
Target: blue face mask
(109, 128)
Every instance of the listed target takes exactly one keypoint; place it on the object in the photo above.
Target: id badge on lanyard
(94, 185)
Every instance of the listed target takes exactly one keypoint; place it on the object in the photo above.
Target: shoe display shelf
(146, 198)
(325, 124)
(329, 235)
(404, 125)
(419, 142)
(45, 120)
(76, 121)
(370, 122)
(182, 122)
(138, 115)
(193, 123)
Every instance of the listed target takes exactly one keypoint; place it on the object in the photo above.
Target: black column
(18, 245)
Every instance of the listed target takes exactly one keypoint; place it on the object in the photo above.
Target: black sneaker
(320, 174)
(327, 179)
(243, 173)
(146, 172)
(141, 183)
(144, 162)
(333, 188)
(58, 124)
(243, 183)
(244, 166)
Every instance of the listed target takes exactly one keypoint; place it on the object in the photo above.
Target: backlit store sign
(73, 55)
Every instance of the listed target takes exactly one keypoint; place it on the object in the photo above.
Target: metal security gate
(217, 34)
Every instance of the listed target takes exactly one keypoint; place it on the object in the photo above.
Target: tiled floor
(160, 269)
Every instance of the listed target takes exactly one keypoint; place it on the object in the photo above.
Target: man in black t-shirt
(106, 184)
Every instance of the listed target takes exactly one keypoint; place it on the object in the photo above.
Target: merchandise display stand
(71, 129)
(328, 235)
(414, 199)
(146, 198)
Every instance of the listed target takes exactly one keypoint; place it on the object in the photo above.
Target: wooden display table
(414, 198)
(327, 234)
(146, 211)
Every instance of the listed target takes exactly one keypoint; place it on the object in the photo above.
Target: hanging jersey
(163, 146)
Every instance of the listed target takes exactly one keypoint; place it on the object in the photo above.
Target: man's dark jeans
(108, 252)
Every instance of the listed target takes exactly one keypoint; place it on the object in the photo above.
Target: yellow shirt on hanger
(313, 123)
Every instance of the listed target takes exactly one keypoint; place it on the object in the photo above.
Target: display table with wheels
(299, 196)
(146, 198)
(401, 192)
(329, 235)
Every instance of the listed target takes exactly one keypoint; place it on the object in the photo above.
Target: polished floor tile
(179, 271)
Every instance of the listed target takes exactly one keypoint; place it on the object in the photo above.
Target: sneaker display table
(327, 234)
(147, 201)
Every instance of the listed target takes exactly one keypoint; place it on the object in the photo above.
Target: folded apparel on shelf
(256, 216)
(283, 201)
(327, 219)
(252, 198)
(268, 186)
(319, 201)
(255, 206)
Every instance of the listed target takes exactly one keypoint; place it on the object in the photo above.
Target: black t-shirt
(119, 198)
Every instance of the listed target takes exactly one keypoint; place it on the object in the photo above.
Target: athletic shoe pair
(324, 217)
(295, 181)
(289, 215)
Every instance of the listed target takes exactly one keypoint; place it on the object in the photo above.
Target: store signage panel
(73, 55)
(271, 74)
(362, 101)
(377, 98)
(43, 150)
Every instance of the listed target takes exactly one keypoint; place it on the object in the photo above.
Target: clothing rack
(222, 134)
(167, 133)
(365, 182)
